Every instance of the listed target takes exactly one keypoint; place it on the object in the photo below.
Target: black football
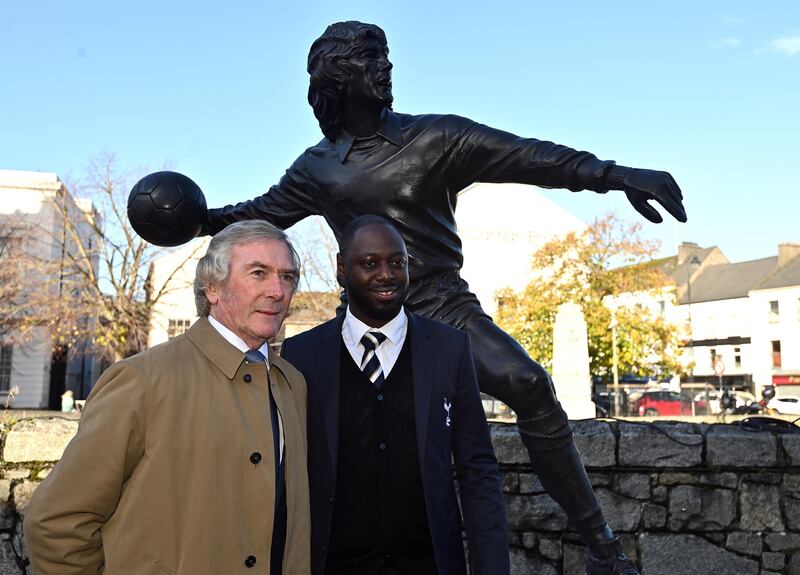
(166, 208)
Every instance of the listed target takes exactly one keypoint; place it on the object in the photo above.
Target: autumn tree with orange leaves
(607, 269)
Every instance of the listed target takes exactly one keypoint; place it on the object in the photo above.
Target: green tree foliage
(607, 265)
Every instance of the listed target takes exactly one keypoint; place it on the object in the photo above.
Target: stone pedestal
(571, 362)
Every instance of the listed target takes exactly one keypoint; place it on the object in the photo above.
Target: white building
(775, 320)
(740, 320)
(715, 307)
(35, 366)
(175, 310)
(501, 226)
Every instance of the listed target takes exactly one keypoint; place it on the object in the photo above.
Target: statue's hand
(643, 185)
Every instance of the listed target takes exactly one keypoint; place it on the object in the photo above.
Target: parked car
(656, 402)
(785, 404)
(604, 403)
(743, 400)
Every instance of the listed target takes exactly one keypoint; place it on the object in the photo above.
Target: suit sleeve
(69, 508)
(478, 476)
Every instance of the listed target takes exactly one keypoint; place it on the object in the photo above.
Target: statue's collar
(389, 130)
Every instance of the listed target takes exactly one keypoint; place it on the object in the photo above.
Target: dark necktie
(279, 529)
(370, 364)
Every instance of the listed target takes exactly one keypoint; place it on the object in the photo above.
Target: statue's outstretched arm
(284, 204)
(483, 154)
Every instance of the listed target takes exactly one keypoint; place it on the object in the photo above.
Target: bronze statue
(373, 160)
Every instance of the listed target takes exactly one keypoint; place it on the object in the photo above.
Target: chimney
(685, 250)
(787, 252)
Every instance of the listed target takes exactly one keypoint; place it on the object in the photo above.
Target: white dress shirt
(353, 329)
(239, 344)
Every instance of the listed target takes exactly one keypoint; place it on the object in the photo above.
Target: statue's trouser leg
(506, 372)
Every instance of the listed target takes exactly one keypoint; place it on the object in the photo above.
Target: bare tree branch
(82, 273)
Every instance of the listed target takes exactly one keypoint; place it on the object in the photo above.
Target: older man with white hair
(191, 456)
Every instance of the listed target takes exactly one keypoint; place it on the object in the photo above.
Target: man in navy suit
(392, 402)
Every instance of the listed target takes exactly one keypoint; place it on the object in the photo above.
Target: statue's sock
(557, 463)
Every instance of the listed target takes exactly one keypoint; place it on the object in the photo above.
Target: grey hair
(214, 267)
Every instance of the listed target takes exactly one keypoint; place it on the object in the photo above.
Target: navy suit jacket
(442, 367)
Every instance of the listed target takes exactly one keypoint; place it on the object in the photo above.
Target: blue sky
(706, 90)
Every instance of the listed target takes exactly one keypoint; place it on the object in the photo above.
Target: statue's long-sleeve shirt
(411, 171)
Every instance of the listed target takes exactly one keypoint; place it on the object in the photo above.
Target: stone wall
(688, 499)
(30, 449)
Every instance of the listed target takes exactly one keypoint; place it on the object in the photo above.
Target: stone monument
(571, 362)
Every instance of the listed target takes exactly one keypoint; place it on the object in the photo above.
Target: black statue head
(330, 70)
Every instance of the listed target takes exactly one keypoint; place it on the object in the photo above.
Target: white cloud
(789, 45)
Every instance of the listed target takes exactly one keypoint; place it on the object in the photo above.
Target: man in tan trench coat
(173, 468)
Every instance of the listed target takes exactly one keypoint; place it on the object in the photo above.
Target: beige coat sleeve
(68, 509)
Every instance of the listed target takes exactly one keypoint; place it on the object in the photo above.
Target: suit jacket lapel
(423, 374)
(328, 354)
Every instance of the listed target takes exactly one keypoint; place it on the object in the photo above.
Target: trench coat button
(380, 397)
(382, 446)
(255, 458)
(330, 499)
(250, 561)
(247, 378)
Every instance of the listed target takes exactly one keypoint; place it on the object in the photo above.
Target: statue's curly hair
(328, 75)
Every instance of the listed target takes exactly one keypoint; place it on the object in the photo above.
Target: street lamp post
(615, 362)
(612, 305)
(694, 263)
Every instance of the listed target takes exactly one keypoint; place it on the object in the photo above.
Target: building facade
(740, 320)
(775, 317)
(175, 310)
(34, 369)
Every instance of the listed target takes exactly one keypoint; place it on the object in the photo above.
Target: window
(177, 327)
(774, 312)
(776, 354)
(5, 367)
(737, 357)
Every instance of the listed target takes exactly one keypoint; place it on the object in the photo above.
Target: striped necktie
(370, 364)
